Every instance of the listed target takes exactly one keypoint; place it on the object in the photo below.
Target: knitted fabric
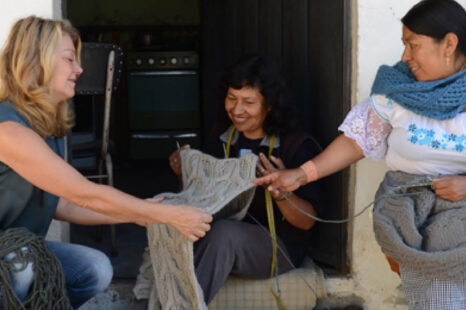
(421, 232)
(440, 99)
(222, 188)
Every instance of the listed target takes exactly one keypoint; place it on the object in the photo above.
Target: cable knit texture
(422, 232)
(222, 188)
(440, 99)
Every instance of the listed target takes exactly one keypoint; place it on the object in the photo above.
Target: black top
(294, 149)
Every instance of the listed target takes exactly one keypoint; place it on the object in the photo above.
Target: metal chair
(102, 63)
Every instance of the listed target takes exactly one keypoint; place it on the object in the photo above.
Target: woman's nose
(406, 55)
(238, 108)
(78, 69)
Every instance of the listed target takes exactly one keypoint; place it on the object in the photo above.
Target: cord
(393, 194)
(398, 188)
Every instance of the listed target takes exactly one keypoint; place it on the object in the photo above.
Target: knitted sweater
(422, 232)
(222, 188)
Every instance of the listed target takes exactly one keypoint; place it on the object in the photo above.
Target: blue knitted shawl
(440, 99)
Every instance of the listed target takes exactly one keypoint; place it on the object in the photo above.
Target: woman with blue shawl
(415, 119)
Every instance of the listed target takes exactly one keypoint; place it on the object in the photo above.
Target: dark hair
(261, 72)
(436, 18)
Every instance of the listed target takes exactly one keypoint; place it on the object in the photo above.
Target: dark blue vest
(21, 203)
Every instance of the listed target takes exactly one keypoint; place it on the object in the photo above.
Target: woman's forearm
(70, 212)
(295, 217)
(341, 153)
(116, 204)
(38, 164)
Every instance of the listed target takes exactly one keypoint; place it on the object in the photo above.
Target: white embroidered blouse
(409, 142)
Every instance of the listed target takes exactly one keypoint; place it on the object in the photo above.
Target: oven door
(163, 100)
(163, 112)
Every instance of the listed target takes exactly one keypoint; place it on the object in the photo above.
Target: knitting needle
(177, 145)
(225, 151)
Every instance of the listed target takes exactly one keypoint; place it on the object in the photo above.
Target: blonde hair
(26, 65)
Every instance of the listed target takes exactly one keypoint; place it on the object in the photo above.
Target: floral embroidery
(428, 137)
(452, 137)
(435, 144)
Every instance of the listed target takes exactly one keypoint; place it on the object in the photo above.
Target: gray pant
(238, 248)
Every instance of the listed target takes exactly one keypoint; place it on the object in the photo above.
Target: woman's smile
(246, 109)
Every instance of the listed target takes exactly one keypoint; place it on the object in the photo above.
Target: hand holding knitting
(452, 188)
(175, 159)
(286, 180)
(190, 221)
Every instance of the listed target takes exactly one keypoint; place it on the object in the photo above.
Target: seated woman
(260, 120)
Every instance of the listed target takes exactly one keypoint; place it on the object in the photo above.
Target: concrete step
(118, 296)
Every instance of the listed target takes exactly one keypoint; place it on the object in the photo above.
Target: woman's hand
(286, 180)
(189, 220)
(452, 188)
(175, 160)
(265, 167)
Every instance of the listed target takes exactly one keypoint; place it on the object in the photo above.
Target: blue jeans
(87, 272)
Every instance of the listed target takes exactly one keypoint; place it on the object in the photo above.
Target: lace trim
(370, 132)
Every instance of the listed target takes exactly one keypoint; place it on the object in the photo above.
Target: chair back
(102, 66)
(94, 60)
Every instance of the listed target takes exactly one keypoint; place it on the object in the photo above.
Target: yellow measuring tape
(270, 216)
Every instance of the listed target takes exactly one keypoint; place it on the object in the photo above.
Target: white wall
(378, 39)
(11, 11)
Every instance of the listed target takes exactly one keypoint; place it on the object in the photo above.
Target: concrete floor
(119, 296)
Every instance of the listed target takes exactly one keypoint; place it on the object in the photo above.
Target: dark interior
(174, 54)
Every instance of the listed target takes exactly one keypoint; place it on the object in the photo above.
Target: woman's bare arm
(27, 153)
(341, 153)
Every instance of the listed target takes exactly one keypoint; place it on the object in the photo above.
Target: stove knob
(173, 60)
(186, 60)
(138, 62)
(151, 61)
(162, 61)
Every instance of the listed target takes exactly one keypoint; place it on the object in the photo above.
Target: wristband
(284, 197)
(310, 170)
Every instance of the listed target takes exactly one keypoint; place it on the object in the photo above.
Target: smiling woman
(414, 119)
(247, 111)
(66, 70)
(260, 119)
(39, 65)
(429, 59)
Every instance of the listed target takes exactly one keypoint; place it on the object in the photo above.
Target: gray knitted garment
(222, 188)
(421, 232)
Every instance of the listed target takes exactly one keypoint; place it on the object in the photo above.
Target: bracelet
(284, 197)
(310, 170)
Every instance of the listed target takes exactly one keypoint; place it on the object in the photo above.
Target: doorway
(310, 39)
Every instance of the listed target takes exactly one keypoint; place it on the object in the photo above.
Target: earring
(448, 60)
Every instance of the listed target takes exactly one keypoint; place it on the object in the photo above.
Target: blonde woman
(39, 66)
